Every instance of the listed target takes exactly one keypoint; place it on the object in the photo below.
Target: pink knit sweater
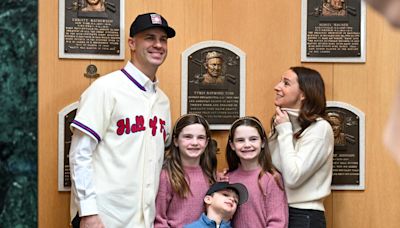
(261, 210)
(174, 211)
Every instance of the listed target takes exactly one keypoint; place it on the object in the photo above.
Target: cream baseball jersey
(131, 126)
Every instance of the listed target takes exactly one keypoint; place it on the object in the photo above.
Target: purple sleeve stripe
(87, 129)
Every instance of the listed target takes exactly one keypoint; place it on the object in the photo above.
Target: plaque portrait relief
(340, 123)
(94, 6)
(214, 63)
(334, 8)
(348, 125)
(213, 82)
(91, 29)
(333, 31)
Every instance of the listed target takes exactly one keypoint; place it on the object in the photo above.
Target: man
(94, 5)
(336, 121)
(120, 131)
(213, 64)
(333, 8)
(390, 9)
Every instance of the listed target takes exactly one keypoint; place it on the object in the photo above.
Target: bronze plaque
(65, 118)
(67, 145)
(348, 158)
(334, 29)
(214, 85)
(91, 29)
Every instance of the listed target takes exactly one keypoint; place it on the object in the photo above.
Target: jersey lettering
(162, 129)
(124, 125)
(153, 125)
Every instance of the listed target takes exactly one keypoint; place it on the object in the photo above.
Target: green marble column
(18, 114)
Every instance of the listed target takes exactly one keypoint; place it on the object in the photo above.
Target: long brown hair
(264, 158)
(314, 104)
(173, 161)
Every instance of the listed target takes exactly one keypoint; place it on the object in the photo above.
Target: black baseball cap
(240, 189)
(150, 20)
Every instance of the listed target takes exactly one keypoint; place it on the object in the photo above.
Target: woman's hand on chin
(280, 116)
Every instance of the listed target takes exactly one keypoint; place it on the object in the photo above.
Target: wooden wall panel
(269, 33)
(190, 20)
(57, 86)
(370, 87)
(270, 47)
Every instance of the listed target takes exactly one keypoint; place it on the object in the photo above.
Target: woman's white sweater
(305, 163)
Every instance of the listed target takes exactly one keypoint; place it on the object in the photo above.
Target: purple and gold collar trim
(133, 80)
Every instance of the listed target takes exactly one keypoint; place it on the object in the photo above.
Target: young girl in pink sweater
(249, 162)
(188, 171)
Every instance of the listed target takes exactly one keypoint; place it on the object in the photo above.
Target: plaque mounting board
(348, 124)
(65, 117)
(91, 34)
(333, 35)
(214, 82)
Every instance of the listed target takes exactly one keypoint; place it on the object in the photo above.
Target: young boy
(221, 202)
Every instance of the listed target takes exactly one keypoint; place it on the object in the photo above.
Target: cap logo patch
(155, 19)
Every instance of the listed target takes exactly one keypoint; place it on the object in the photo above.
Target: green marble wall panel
(18, 113)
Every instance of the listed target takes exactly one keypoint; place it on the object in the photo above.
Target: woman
(301, 143)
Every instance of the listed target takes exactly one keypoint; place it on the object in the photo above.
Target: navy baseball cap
(240, 189)
(150, 20)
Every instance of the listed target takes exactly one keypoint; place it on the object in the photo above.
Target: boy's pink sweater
(174, 211)
(269, 211)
